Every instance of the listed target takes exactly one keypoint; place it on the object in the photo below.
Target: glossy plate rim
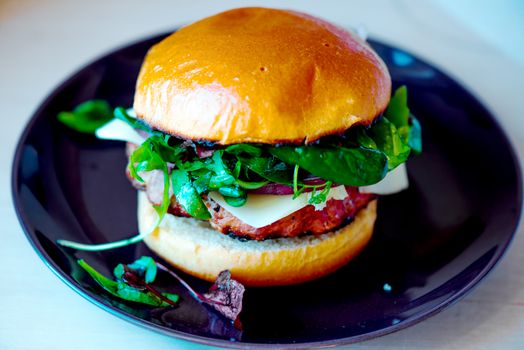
(94, 299)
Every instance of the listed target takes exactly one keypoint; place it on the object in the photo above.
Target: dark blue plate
(432, 243)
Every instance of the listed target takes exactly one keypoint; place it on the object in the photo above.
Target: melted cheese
(395, 181)
(119, 130)
(264, 209)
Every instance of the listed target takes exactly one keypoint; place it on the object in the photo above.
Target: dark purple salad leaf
(226, 295)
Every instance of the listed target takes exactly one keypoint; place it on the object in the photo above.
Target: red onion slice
(278, 189)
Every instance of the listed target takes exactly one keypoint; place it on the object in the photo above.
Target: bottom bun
(194, 247)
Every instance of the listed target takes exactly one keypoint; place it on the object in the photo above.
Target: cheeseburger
(262, 139)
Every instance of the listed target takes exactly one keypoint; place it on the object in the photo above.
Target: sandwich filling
(257, 191)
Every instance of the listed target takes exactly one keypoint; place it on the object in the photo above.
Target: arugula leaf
(321, 197)
(87, 116)
(223, 176)
(154, 154)
(268, 168)
(232, 191)
(201, 183)
(347, 166)
(146, 158)
(187, 195)
(124, 291)
(235, 201)
(251, 185)
(223, 179)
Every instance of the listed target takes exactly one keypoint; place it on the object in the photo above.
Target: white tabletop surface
(481, 43)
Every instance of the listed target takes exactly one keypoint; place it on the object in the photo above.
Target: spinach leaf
(406, 123)
(87, 116)
(364, 140)
(388, 140)
(397, 111)
(347, 166)
(187, 195)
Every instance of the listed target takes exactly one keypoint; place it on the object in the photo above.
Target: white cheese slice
(119, 130)
(131, 112)
(395, 181)
(264, 209)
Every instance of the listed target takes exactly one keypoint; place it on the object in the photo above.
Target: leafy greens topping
(363, 156)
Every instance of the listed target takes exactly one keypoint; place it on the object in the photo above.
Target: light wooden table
(41, 42)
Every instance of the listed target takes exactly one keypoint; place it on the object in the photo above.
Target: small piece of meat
(307, 220)
(130, 148)
(154, 188)
(153, 185)
(136, 184)
(176, 209)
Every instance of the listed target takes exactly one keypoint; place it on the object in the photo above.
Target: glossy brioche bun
(194, 247)
(262, 76)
